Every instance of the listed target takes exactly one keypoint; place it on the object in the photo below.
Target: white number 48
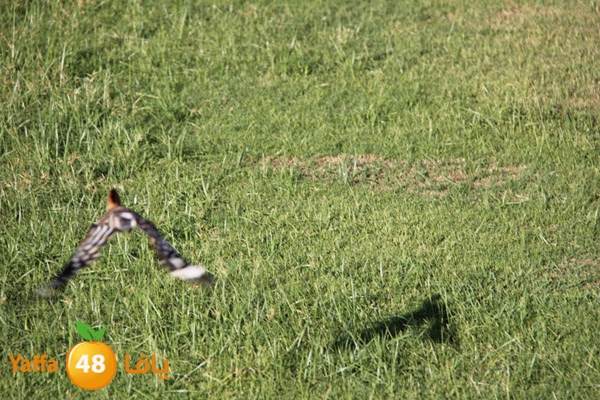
(97, 363)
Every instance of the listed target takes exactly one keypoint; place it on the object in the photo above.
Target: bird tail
(193, 273)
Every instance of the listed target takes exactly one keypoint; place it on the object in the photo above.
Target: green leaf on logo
(86, 331)
(99, 334)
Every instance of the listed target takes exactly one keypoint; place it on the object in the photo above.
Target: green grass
(397, 199)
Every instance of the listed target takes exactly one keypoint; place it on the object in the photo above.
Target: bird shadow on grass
(431, 317)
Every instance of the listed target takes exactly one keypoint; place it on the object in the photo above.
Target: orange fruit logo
(91, 365)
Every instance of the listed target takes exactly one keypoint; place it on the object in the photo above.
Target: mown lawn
(396, 199)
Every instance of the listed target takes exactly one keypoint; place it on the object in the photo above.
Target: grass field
(397, 199)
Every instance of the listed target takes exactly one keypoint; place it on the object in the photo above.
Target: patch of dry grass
(427, 177)
(582, 271)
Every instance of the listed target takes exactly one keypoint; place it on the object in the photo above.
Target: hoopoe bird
(121, 219)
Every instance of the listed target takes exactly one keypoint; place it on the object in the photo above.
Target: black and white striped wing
(169, 257)
(87, 252)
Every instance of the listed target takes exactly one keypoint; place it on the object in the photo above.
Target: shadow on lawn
(431, 315)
